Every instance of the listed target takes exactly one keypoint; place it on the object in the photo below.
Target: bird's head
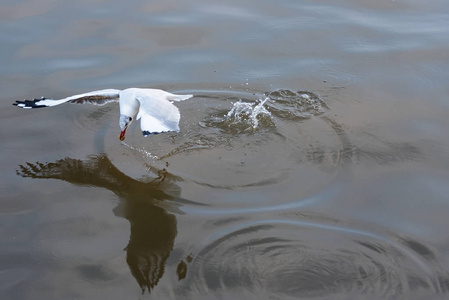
(124, 123)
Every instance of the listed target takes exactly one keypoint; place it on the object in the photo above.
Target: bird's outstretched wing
(157, 113)
(100, 97)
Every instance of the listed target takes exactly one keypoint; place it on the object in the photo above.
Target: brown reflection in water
(153, 229)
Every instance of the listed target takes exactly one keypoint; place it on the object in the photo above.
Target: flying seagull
(153, 107)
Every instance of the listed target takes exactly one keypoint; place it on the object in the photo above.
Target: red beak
(122, 134)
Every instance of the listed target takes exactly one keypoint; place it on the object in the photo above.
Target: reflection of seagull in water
(153, 230)
(154, 107)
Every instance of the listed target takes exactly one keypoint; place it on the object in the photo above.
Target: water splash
(243, 117)
(249, 117)
(244, 113)
(142, 151)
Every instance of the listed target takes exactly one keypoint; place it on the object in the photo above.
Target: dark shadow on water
(153, 229)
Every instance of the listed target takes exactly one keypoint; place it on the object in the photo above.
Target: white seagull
(153, 107)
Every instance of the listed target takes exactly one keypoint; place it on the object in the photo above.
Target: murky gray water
(312, 163)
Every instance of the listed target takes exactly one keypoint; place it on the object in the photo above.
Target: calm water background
(338, 191)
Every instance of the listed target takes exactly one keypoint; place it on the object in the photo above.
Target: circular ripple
(308, 260)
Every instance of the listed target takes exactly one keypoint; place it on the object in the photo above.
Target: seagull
(153, 107)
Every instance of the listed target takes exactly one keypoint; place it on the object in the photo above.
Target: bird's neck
(129, 106)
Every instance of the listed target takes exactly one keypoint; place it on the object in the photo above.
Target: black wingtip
(29, 103)
(148, 133)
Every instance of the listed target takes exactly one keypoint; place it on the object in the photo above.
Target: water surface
(312, 162)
